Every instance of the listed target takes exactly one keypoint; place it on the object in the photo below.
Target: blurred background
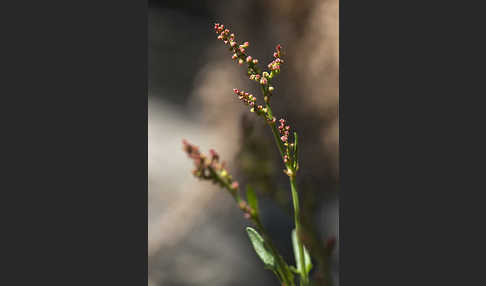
(196, 233)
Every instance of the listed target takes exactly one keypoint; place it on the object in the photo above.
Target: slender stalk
(295, 200)
(295, 196)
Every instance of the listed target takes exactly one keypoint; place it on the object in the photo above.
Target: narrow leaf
(252, 198)
(259, 245)
(307, 259)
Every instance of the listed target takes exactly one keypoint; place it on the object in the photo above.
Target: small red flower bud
(240, 61)
(234, 185)
(255, 61)
(263, 81)
(248, 59)
(284, 138)
(246, 44)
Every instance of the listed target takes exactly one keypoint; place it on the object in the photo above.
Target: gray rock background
(196, 234)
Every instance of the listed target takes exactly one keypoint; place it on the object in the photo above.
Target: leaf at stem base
(259, 245)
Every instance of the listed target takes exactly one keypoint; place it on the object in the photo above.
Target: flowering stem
(275, 132)
(295, 196)
(280, 134)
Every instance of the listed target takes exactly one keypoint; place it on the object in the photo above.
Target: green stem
(295, 200)
(295, 196)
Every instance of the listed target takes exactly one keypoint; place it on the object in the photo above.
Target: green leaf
(259, 245)
(307, 259)
(252, 198)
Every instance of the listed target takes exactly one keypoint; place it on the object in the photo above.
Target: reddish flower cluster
(239, 51)
(284, 131)
(263, 78)
(250, 100)
(274, 66)
(245, 97)
(198, 159)
(240, 55)
(209, 168)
